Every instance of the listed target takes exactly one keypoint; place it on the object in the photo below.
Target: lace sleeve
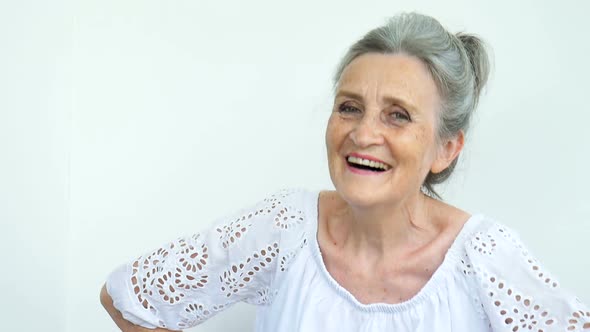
(516, 292)
(186, 281)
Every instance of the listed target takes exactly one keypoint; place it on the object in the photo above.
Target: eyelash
(343, 109)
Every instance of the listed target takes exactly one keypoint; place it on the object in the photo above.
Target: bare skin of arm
(124, 325)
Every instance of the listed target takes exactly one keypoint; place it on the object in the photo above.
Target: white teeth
(370, 163)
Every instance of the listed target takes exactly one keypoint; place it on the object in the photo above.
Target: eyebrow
(387, 99)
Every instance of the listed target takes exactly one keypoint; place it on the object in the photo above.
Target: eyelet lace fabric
(260, 255)
(517, 293)
(190, 279)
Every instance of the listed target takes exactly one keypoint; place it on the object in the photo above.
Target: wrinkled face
(385, 109)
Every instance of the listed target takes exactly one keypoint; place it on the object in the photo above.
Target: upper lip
(364, 156)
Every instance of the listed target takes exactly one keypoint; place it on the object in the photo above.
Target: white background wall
(126, 123)
(35, 138)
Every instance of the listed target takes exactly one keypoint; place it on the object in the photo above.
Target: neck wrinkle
(377, 233)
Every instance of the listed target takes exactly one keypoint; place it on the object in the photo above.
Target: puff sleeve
(190, 279)
(514, 289)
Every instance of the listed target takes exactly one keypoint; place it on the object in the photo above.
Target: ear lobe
(448, 152)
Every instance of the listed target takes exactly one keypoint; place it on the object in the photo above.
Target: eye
(347, 108)
(401, 116)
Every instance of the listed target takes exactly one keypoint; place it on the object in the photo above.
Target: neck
(384, 230)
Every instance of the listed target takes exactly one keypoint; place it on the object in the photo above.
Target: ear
(448, 151)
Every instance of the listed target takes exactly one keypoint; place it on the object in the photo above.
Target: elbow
(105, 298)
(107, 303)
(123, 324)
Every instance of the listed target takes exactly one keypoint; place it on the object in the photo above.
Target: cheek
(333, 133)
(419, 147)
(428, 147)
(328, 137)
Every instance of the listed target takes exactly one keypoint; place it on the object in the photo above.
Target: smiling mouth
(367, 165)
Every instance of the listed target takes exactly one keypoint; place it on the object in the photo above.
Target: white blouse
(268, 255)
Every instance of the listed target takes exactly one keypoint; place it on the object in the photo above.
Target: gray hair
(458, 63)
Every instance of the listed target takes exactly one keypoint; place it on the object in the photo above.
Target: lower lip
(362, 171)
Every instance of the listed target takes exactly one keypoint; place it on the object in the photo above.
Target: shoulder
(488, 237)
(495, 256)
(295, 196)
(291, 206)
(290, 215)
(284, 208)
(493, 246)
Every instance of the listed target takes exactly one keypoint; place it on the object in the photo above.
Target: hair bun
(478, 58)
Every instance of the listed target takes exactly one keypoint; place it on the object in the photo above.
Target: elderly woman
(380, 253)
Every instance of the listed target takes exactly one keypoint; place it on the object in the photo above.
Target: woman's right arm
(190, 279)
(124, 325)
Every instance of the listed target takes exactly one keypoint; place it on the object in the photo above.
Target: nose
(367, 131)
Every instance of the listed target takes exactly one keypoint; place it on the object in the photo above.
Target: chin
(361, 195)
